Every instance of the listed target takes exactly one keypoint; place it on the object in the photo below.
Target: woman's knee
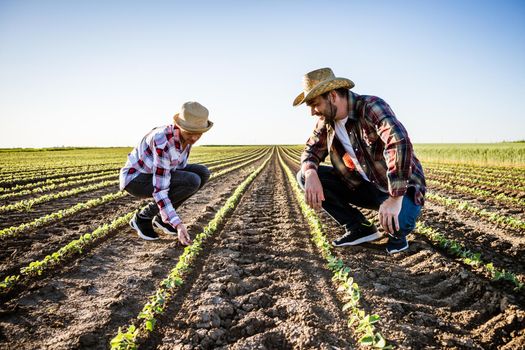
(205, 175)
(193, 181)
(201, 170)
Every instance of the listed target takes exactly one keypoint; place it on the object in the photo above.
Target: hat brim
(323, 87)
(181, 124)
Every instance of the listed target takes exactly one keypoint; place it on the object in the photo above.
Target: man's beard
(330, 112)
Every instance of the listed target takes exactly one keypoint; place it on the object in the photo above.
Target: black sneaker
(396, 244)
(357, 235)
(144, 228)
(166, 228)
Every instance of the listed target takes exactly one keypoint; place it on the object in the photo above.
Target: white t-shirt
(342, 135)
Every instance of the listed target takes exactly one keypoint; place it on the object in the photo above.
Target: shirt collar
(342, 121)
(175, 131)
(352, 99)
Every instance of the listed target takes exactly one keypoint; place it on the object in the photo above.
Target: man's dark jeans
(183, 184)
(339, 200)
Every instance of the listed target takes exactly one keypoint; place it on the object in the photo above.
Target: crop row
(502, 198)
(41, 162)
(36, 268)
(491, 170)
(27, 204)
(469, 257)
(507, 179)
(467, 207)
(14, 173)
(227, 162)
(511, 176)
(146, 319)
(230, 157)
(52, 176)
(496, 185)
(479, 155)
(6, 184)
(16, 230)
(362, 323)
(48, 182)
(43, 171)
(17, 163)
(69, 183)
(502, 220)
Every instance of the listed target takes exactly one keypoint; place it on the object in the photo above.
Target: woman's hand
(182, 234)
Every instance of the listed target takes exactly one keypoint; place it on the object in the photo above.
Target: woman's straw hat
(193, 117)
(318, 82)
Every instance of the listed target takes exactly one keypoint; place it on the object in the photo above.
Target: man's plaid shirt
(381, 146)
(159, 153)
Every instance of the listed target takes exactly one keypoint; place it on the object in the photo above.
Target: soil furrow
(507, 209)
(14, 218)
(107, 285)
(262, 286)
(503, 247)
(428, 299)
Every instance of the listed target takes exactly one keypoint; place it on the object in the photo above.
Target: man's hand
(389, 212)
(182, 234)
(313, 189)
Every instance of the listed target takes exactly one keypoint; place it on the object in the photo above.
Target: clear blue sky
(103, 73)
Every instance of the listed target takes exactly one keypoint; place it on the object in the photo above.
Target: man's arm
(316, 148)
(314, 153)
(398, 156)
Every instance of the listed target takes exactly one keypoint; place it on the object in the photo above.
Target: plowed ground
(260, 283)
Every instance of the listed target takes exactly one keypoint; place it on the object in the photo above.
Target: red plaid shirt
(381, 146)
(159, 153)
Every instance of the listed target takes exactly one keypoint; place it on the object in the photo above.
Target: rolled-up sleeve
(162, 163)
(398, 149)
(316, 148)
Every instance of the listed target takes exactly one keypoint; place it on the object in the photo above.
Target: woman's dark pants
(183, 184)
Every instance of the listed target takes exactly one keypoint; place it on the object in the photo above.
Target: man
(158, 167)
(373, 162)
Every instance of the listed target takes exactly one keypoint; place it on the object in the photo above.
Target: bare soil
(428, 299)
(260, 284)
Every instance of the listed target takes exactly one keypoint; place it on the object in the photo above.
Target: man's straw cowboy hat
(193, 117)
(318, 82)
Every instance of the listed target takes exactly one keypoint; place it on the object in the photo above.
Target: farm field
(261, 273)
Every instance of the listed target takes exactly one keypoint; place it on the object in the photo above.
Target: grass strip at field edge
(146, 319)
(362, 324)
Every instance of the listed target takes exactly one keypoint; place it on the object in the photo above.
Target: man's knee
(409, 214)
